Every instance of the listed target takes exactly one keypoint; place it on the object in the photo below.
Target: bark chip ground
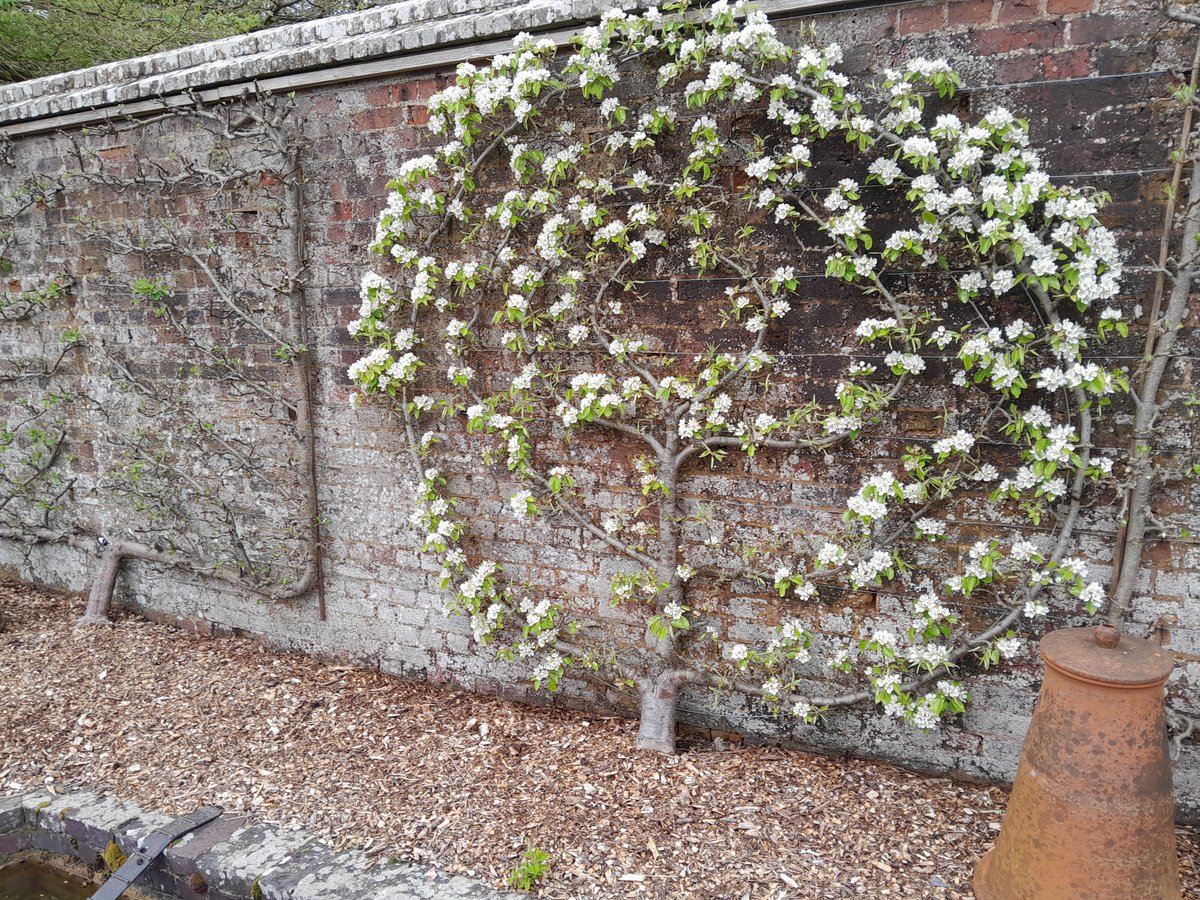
(460, 782)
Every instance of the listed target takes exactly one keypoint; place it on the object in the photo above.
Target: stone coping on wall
(398, 29)
(413, 34)
(230, 858)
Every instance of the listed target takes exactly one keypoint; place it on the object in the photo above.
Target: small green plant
(154, 293)
(534, 864)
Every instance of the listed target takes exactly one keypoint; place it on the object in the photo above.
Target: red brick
(353, 234)
(122, 151)
(337, 234)
(378, 117)
(970, 12)
(343, 211)
(1019, 11)
(922, 19)
(1071, 64)
(419, 88)
(1160, 556)
(417, 115)
(1034, 36)
(383, 95)
(1066, 7)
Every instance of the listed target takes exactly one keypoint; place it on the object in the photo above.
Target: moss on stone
(113, 857)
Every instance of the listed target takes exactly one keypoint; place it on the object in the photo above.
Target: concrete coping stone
(236, 859)
(398, 29)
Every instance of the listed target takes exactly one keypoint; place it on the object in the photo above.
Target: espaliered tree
(208, 496)
(34, 418)
(512, 314)
(214, 462)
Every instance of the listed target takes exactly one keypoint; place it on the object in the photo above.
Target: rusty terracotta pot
(1091, 815)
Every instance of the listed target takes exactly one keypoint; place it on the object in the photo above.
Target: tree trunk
(100, 595)
(657, 728)
(1148, 408)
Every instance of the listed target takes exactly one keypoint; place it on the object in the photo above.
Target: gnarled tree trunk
(657, 728)
(101, 592)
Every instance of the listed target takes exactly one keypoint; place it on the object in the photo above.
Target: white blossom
(1008, 647)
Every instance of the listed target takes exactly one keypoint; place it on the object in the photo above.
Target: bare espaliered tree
(38, 396)
(204, 422)
(1150, 465)
(523, 298)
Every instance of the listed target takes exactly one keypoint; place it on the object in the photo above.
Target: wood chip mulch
(172, 720)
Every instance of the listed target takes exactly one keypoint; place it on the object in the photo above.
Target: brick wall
(1091, 77)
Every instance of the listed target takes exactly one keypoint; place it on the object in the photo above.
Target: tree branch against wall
(522, 309)
(1150, 467)
(202, 434)
(34, 435)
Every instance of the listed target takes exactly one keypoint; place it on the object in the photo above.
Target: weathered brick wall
(1092, 77)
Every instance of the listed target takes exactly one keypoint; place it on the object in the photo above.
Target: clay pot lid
(1103, 655)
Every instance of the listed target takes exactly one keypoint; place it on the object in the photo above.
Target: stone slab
(233, 859)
